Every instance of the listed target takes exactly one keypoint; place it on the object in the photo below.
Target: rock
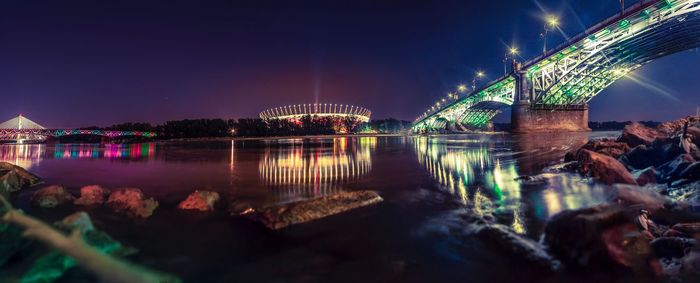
(691, 229)
(692, 172)
(200, 200)
(92, 195)
(640, 156)
(132, 202)
(51, 196)
(604, 168)
(646, 197)
(645, 176)
(596, 238)
(635, 134)
(695, 135)
(691, 262)
(14, 178)
(670, 266)
(241, 207)
(671, 170)
(79, 220)
(501, 238)
(687, 195)
(674, 233)
(672, 246)
(607, 147)
(281, 216)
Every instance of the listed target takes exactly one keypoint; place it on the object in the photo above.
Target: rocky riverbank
(24, 259)
(652, 224)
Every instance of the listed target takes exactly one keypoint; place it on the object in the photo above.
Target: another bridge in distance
(20, 129)
(552, 91)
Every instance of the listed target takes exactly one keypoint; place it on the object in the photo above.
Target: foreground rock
(200, 200)
(637, 134)
(604, 168)
(598, 238)
(14, 178)
(51, 196)
(132, 202)
(92, 195)
(607, 147)
(281, 216)
(501, 238)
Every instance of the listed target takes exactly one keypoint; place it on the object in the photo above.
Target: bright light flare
(552, 21)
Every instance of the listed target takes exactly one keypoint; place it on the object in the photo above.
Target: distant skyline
(82, 63)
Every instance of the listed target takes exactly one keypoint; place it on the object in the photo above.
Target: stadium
(296, 112)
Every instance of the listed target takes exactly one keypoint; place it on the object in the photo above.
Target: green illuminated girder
(579, 72)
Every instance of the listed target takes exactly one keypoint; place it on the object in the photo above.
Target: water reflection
(29, 155)
(306, 169)
(481, 172)
(482, 181)
(23, 155)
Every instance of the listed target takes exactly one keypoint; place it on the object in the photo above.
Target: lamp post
(477, 75)
(551, 23)
(510, 54)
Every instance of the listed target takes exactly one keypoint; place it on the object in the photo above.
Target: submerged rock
(200, 200)
(132, 202)
(281, 216)
(92, 195)
(51, 196)
(604, 168)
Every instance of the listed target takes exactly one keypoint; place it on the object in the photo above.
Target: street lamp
(477, 75)
(550, 23)
(510, 54)
(462, 88)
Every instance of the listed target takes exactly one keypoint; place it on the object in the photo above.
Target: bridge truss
(575, 72)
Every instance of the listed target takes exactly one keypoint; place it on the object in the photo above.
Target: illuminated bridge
(551, 92)
(20, 129)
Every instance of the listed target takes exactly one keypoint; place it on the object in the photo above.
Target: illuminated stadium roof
(317, 109)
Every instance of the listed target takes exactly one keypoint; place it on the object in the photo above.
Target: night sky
(83, 63)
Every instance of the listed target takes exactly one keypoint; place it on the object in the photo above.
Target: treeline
(255, 127)
(616, 126)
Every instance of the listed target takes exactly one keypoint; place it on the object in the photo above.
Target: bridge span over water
(551, 92)
(20, 128)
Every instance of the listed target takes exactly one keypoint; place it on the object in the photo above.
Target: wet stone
(132, 202)
(92, 195)
(200, 200)
(51, 196)
(281, 216)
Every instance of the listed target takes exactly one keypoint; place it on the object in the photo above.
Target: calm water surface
(423, 180)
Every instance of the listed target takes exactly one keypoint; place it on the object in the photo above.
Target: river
(423, 181)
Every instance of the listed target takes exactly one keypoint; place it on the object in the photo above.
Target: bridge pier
(528, 119)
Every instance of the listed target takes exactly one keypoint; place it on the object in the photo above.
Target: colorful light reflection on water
(481, 173)
(29, 155)
(301, 169)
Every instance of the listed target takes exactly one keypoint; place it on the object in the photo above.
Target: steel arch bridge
(575, 72)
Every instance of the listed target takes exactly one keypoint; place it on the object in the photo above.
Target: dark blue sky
(80, 63)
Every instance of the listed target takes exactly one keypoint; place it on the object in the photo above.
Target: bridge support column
(528, 119)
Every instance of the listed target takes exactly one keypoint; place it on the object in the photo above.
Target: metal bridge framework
(575, 72)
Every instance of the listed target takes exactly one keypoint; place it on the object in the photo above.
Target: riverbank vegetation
(255, 127)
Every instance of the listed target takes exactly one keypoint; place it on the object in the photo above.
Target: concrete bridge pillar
(528, 118)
